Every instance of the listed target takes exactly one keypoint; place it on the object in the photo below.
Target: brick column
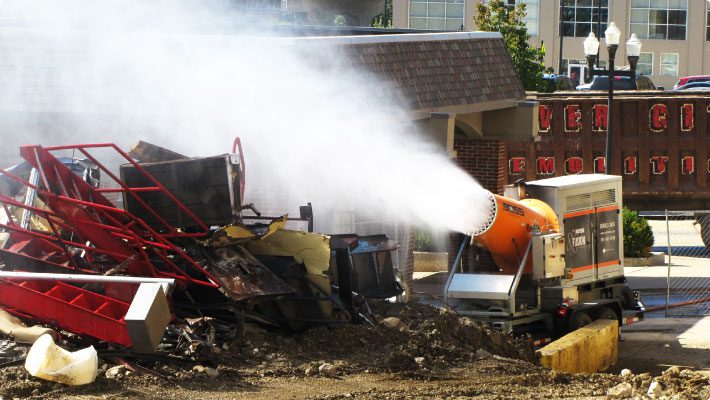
(485, 160)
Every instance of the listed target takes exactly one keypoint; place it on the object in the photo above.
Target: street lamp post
(633, 51)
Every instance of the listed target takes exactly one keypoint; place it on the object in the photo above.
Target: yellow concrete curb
(592, 348)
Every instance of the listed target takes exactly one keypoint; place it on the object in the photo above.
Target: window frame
(592, 23)
(661, 64)
(653, 59)
(445, 18)
(647, 23)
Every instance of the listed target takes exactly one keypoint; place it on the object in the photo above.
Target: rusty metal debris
(167, 217)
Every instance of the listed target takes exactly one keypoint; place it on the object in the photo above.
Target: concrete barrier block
(592, 348)
(147, 317)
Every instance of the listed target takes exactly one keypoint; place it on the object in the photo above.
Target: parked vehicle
(641, 82)
(694, 86)
(691, 79)
(558, 82)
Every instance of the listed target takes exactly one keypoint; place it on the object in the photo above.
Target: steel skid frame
(84, 232)
(81, 217)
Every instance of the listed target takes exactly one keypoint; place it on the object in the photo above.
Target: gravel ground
(415, 352)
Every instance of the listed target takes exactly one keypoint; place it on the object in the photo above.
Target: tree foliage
(638, 236)
(496, 16)
(423, 241)
(340, 20)
(383, 20)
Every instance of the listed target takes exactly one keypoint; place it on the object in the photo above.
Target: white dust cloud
(188, 76)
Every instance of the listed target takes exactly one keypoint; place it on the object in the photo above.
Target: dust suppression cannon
(557, 258)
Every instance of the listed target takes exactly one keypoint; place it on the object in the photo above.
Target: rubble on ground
(449, 354)
(673, 383)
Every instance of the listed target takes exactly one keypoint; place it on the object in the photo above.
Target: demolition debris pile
(409, 337)
(172, 245)
(673, 383)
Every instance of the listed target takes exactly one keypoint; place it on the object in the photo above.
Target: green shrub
(638, 236)
(423, 241)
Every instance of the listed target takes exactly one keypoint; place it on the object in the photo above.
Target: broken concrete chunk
(116, 372)
(655, 390)
(327, 370)
(620, 391)
(391, 322)
(625, 373)
(211, 372)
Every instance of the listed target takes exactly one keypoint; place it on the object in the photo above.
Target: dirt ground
(419, 352)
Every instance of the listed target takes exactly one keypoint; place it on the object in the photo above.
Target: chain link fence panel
(431, 262)
(682, 236)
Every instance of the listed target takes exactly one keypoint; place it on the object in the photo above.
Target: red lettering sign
(659, 164)
(545, 118)
(687, 117)
(516, 165)
(573, 165)
(600, 165)
(573, 118)
(687, 165)
(545, 165)
(658, 117)
(630, 167)
(600, 112)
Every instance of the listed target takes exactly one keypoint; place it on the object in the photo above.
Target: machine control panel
(549, 256)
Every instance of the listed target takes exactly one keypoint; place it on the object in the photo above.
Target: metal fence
(680, 283)
(431, 262)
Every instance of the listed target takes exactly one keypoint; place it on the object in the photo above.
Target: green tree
(383, 20)
(496, 16)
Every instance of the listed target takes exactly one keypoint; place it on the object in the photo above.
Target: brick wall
(485, 160)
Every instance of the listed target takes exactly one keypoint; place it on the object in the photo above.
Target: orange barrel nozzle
(508, 230)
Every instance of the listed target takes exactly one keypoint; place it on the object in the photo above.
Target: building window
(532, 10)
(436, 14)
(263, 5)
(669, 64)
(579, 17)
(659, 19)
(707, 29)
(645, 64)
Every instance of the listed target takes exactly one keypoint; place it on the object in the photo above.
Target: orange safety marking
(600, 265)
